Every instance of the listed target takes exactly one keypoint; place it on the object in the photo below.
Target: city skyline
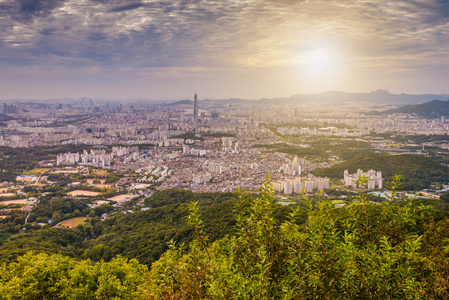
(243, 49)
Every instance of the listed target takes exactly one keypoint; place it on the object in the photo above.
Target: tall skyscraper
(195, 107)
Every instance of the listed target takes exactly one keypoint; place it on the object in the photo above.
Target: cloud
(113, 35)
(127, 7)
(25, 10)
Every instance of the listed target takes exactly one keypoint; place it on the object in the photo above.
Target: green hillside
(395, 250)
(418, 171)
(143, 234)
(432, 109)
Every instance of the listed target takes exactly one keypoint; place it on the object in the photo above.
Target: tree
(36, 277)
(42, 276)
(360, 251)
(318, 260)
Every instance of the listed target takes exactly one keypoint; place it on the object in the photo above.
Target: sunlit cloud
(334, 44)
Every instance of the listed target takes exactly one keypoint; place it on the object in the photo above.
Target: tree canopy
(397, 249)
(418, 171)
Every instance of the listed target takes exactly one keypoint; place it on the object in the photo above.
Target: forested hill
(418, 171)
(393, 250)
(432, 109)
(143, 234)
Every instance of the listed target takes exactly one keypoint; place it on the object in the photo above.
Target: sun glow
(319, 59)
(321, 66)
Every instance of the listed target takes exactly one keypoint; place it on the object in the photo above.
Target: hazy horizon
(173, 99)
(247, 49)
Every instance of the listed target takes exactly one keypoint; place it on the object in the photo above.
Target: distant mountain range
(180, 102)
(432, 109)
(330, 97)
(379, 96)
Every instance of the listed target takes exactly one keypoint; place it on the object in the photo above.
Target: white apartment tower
(375, 180)
(195, 107)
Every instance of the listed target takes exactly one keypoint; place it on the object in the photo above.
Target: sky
(221, 48)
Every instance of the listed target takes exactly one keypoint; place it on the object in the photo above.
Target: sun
(319, 59)
(320, 66)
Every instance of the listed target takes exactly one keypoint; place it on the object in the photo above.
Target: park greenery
(186, 136)
(15, 161)
(418, 171)
(224, 246)
(320, 147)
(219, 134)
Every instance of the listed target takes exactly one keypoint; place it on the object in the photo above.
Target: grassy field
(37, 171)
(6, 195)
(17, 201)
(83, 193)
(121, 197)
(71, 223)
(100, 172)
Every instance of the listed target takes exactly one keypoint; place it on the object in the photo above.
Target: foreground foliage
(60, 277)
(396, 250)
(328, 257)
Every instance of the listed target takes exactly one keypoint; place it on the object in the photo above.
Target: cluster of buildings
(193, 151)
(109, 123)
(202, 178)
(121, 151)
(175, 142)
(230, 145)
(325, 131)
(375, 180)
(221, 172)
(398, 123)
(97, 157)
(294, 168)
(216, 168)
(229, 150)
(299, 185)
(10, 109)
(216, 163)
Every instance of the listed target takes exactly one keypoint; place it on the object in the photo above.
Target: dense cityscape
(91, 164)
(203, 146)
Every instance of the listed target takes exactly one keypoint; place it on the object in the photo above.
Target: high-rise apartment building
(375, 180)
(195, 107)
